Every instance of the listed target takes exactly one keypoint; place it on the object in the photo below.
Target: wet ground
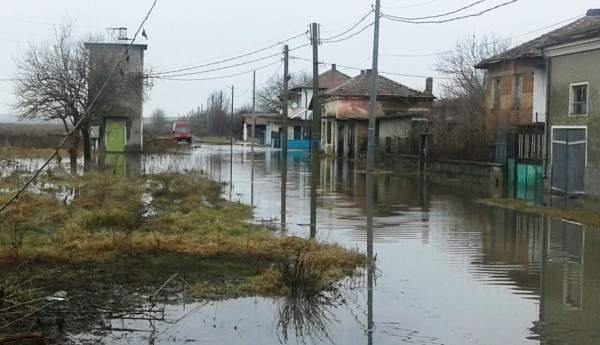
(449, 270)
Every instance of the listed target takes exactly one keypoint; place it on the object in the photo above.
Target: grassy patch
(112, 236)
(15, 152)
(214, 140)
(578, 216)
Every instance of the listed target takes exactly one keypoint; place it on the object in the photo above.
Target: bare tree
(217, 112)
(270, 97)
(461, 112)
(159, 122)
(52, 85)
(459, 65)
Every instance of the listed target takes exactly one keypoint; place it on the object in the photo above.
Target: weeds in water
(108, 218)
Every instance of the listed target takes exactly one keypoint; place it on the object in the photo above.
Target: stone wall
(486, 179)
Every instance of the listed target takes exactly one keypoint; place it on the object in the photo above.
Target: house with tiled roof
(345, 115)
(553, 80)
(299, 113)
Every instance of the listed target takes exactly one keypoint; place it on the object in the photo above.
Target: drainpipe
(548, 129)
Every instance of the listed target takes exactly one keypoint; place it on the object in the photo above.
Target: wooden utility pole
(253, 137)
(284, 136)
(371, 147)
(221, 118)
(316, 120)
(315, 136)
(231, 145)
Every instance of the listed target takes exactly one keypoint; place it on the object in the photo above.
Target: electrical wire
(232, 58)
(398, 19)
(244, 93)
(353, 35)
(354, 26)
(218, 77)
(360, 69)
(216, 68)
(487, 44)
(473, 4)
(226, 67)
(83, 118)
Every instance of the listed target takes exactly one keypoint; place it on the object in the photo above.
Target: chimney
(594, 12)
(333, 67)
(429, 86)
(366, 72)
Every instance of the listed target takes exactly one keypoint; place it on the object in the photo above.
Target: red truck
(182, 131)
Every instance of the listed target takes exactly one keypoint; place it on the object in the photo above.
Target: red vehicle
(182, 131)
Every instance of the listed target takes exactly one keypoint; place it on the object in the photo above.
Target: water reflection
(307, 317)
(370, 257)
(449, 270)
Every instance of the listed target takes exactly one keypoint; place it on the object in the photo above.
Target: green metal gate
(526, 153)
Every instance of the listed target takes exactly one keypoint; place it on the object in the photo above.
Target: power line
(399, 19)
(215, 69)
(217, 77)
(487, 44)
(232, 58)
(354, 26)
(225, 67)
(360, 69)
(353, 35)
(83, 118)
(473, 4)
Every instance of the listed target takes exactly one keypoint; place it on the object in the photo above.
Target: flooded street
(448, 270)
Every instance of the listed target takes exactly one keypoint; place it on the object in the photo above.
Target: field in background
(42, 135)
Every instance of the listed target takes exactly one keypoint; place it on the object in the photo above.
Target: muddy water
(449, 270)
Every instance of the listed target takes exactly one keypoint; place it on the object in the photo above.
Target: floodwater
(448, 270)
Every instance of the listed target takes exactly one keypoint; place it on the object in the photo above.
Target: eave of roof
(583, 28)
(359, 86)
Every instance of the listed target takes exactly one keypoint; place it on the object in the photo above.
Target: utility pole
(222, 119)
(370, 170)
(231, 145)
(315, 144)
(253, 136)
(316, 120)
(284, 135)
(208, 110)
(373, 93)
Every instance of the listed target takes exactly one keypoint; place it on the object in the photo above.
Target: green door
(115, 135)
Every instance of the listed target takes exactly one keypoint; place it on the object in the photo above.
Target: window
(579, 99)
(329, 125)
(297, 132)
(496, 93)
(517, 90)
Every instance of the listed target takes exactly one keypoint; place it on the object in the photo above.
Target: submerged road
(448, 270)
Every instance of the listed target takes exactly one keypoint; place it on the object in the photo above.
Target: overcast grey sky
(188, 32)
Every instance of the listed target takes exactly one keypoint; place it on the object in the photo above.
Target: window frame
(496, 93)
(572, 99)
(517, 97)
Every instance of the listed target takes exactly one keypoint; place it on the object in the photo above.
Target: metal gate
(525, 162)
(569, 146)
